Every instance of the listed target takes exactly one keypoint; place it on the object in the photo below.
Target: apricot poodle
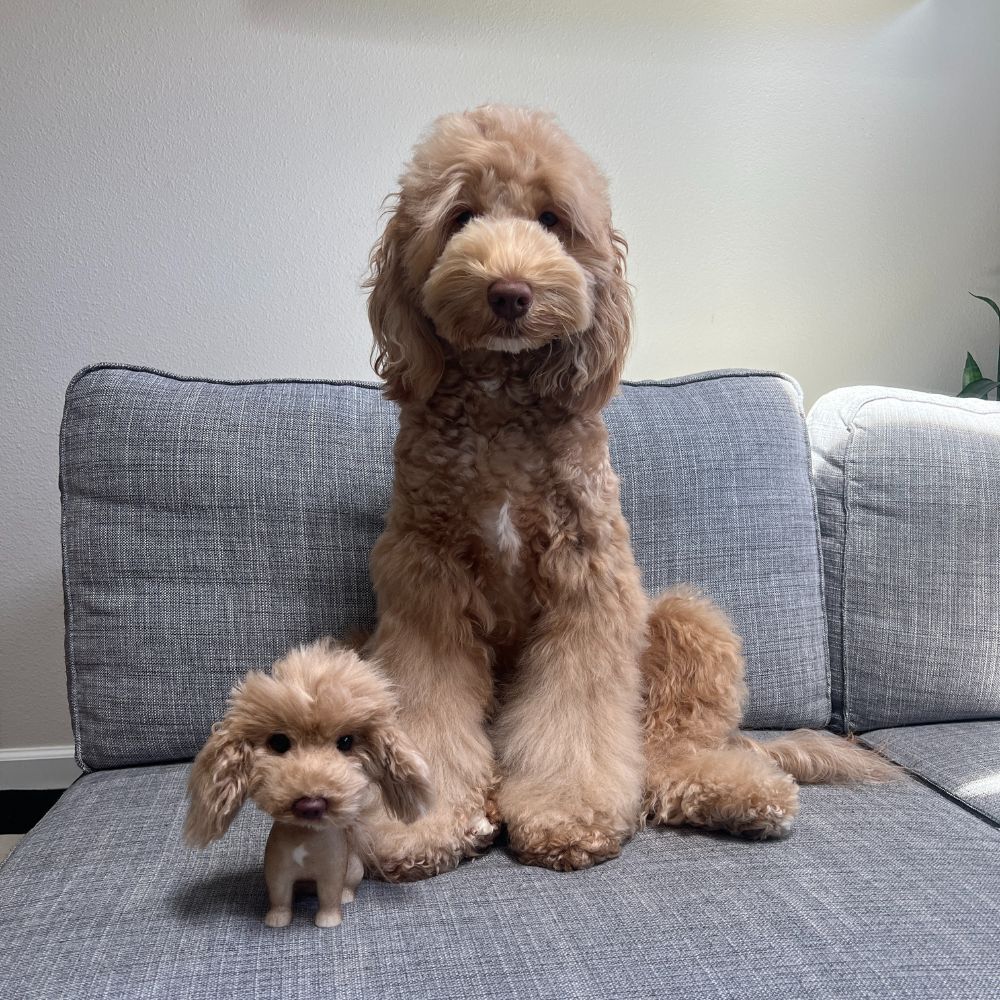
(546, 690)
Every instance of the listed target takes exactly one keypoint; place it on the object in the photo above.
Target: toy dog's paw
(278, 916)
(328, 918)
(347, 896)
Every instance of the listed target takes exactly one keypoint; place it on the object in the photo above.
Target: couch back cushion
(909, 497)
(208, 526)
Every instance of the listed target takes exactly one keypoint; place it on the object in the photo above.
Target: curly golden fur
(539, 680)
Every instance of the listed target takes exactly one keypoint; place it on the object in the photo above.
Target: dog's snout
(309, 808)
(510, 300)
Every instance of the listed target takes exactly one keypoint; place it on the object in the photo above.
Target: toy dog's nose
(309, 808)
(510, 300)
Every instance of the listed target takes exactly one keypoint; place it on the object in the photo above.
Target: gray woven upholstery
(880, 892)
(208, 526)
(717, 490)
(960, 758)
(908, 488)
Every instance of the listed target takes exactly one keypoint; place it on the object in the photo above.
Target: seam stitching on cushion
(140, 370)
(714, 376)
(930, 783)
(709, 376)
(68, 651)
(821, 585)
(852, 429)
(928, 400)
(845, 686)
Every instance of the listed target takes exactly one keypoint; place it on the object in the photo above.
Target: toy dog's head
(309, 743)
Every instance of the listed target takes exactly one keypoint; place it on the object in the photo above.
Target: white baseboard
(37, 767)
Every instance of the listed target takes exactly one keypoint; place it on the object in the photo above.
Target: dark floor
(21, 810)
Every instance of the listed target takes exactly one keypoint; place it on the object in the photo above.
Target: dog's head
(501, 240)
(309, 743)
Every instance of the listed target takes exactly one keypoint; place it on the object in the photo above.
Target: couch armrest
(908, 488)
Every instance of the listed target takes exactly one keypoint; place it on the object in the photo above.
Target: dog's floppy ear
(218, 785)
(400, 772)
(610, 335)
(585, 369)
(406, 353)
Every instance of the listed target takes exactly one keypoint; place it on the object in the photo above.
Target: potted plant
(973, 383)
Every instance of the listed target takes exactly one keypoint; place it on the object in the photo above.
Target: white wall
(194, 185)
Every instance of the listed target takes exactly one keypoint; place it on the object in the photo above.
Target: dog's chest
(505, 477)
(523, 502)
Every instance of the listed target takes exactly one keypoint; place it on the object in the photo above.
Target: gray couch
(207, 526)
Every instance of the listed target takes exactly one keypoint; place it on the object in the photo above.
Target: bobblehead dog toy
(313, 744)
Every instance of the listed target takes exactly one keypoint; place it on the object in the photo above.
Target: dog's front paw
(563, 828)
(564, 846)
(431, 846)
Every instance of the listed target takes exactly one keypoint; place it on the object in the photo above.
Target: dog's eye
(345, 743)
(549, 220)
(463, 219)
(279, 743)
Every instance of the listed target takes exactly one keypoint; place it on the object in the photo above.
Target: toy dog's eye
(279, 743)
(549, 220)
(345, 743)
(463, 219)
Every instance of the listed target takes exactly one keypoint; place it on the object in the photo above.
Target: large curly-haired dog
(543, 686)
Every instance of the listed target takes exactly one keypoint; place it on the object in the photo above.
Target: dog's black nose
(510, 300)
(309, 808)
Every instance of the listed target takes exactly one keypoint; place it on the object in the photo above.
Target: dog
(313, 744)
(546, 689)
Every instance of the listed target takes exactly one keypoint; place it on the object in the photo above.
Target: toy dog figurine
(309, 744)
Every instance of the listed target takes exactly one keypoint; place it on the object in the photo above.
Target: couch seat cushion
(880, 892)
(962, 759)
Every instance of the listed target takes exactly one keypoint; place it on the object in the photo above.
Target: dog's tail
(815, 757)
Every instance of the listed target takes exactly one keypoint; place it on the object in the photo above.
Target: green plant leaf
(978, 389)
(972, 372)
(989, 302)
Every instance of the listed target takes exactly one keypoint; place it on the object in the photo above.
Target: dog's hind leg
(700, 771)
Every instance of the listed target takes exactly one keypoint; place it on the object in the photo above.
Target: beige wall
(194, 185)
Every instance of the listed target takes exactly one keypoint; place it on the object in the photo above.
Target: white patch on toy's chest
(300, 854)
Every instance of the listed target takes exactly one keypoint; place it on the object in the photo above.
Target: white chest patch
(300, 854)
(508, 540)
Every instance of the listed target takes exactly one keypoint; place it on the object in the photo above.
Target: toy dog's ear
(218, 786)
(401, 774)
